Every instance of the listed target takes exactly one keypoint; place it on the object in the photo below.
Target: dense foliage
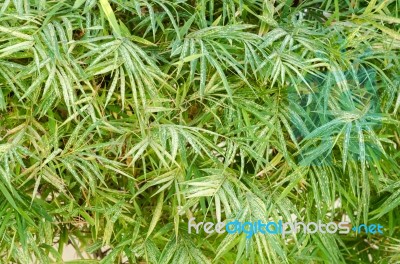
(120, 120)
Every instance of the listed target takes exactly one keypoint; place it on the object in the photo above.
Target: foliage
(120, 120)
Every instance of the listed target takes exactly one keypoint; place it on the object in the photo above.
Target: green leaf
(156, 214)
(106, 7)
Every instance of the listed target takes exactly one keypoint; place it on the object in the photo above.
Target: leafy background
(120, 120)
